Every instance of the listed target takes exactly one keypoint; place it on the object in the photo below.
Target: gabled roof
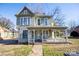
(24, 8)
(31, 13)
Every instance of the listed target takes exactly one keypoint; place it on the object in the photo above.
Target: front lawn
(59, 49)
(15, 50)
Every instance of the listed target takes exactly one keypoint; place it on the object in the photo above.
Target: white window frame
(18, 21)
(27, 20)
(21, 20)
(41, 23)
(45, 20)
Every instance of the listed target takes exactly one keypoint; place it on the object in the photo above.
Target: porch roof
(45, 27)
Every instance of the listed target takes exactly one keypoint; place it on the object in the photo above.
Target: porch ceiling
(46, 27)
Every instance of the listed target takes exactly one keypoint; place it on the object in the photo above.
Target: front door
(25, 35)
(38, 36)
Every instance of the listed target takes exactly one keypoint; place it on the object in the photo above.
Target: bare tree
(58, 16)
(4, 22)
(72, 25)
(56, 13)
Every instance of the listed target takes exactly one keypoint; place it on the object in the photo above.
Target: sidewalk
(36, 50)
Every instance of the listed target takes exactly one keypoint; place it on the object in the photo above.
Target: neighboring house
(75, 32)
(37, 27)
(7, 34)
(14, 33)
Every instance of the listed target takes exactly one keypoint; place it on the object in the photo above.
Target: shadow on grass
(58, 42)
(12, 42)
(73, 37)
(7, 42)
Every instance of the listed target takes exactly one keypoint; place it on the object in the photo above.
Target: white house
(38, 27)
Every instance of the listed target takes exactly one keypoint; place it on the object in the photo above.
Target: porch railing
(55, 40)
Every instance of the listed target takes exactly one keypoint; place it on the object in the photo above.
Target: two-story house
(37, 27)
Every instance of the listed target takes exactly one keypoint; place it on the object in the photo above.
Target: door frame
(25, 34)
(38, 36)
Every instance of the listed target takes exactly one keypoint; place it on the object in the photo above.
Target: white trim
(22, 20)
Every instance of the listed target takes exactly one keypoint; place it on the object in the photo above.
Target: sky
(70, 11)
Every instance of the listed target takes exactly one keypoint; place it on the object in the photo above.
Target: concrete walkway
(36, 50)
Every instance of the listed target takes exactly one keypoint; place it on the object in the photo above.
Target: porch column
(66, 38)
(42, 35)
(53, 35)
(48, 34)
(34, 36)
(58, 33)
(28, 35)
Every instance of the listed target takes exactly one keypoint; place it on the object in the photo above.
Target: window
(25, 34)
(21, 20)
(46, 21)
(43, 21)
(28, 21)
(38, 21)
(25, 11)
(18, 21)
(24, 21)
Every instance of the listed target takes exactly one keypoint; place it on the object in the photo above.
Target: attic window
(25, 11)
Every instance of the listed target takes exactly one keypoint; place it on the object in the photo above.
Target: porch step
(57, 40)
(37, 43)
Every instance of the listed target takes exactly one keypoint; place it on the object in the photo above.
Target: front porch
(47, 34)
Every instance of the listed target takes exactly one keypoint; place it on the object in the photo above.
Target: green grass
(22, 50)
(59, 49)
(51, 52)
